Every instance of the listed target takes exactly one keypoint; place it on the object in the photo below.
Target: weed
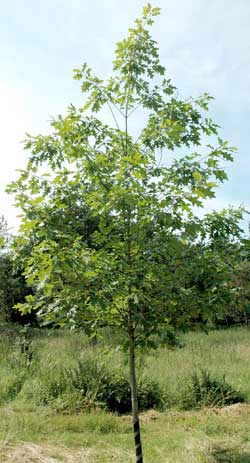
(208, 391)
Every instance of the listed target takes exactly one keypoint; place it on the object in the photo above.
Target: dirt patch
(7, 410)
(149, 416)
(145, 417)
(232, 410)
(33, 453)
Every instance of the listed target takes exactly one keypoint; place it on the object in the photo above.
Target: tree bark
(134, 400)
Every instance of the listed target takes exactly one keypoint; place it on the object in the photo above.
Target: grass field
(203, 436)
(36, 433)
(224, 352)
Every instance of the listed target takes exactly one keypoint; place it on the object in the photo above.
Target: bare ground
(27, 452)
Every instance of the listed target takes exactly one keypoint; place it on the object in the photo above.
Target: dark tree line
(13, 287)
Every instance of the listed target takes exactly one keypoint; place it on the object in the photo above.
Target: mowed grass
(210, 436)
(37, 434)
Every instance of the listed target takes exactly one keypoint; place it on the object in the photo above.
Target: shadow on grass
(231, 456)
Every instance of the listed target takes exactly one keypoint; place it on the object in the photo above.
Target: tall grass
(224, 354)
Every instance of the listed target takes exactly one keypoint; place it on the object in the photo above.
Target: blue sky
(205, 46)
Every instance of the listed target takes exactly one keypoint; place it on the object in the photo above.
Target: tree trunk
(134, 399)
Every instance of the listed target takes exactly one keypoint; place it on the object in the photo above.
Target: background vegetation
(61, 424)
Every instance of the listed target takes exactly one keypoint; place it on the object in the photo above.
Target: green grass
(224, 352)
(32, 433)
(175, 437)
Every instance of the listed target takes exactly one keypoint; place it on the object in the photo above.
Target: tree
(224, 269)
(133, 271)
(13, 288)
(4, 235)
(238, 308)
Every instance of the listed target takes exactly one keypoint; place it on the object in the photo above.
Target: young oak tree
(131, 269)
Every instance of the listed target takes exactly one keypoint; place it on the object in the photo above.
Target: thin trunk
(133, 386)
(134, 399)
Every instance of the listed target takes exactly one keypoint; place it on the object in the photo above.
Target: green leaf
(197, 176)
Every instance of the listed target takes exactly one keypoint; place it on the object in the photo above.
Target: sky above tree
(205, 47)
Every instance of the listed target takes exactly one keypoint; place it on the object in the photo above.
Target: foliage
(13, 288)
(206, 391)
(133, 269)
(111, 388)
(224, 352)
(129, 256)
(73, 403)
(87, 386)
(237, 308)
(4, 234)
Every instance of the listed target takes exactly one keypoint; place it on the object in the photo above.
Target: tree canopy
(107, 221)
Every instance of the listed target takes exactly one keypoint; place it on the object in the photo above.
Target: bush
(90, 385)
(72, 402)
(150, 394)
(206, 391)
(115, 393)
(111, 389)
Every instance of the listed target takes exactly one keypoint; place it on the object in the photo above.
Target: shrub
(111, 389)
(150, 394)
(206, 391)
(71, 403)
(115, 393)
